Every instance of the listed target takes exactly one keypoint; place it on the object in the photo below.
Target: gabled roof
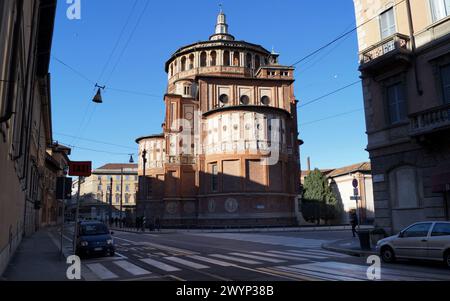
(364, 167)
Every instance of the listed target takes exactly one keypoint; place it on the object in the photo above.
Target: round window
(265, 100)
(245, 100)
(223, 98)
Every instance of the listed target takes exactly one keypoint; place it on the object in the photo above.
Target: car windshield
(94, 229)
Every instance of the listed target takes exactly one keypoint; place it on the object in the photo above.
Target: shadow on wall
(220, 199)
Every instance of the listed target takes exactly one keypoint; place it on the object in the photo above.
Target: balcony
(430, 121)
(387, 53)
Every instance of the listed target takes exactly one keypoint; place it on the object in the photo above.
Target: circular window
(245, 100)
(223, 98)
(265, 100)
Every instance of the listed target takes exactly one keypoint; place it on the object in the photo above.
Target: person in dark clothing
(144, 223)
(158, 224)
(354, 223)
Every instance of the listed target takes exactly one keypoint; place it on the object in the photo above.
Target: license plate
(98, 249)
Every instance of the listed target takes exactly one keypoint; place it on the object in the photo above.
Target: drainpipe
(13, 73)
(413, 46)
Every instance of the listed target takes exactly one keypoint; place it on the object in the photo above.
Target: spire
(221, 32)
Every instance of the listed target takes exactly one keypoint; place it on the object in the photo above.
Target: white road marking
(187, 263)
(247, 261)
(326, 274)
(213, 261)
(160, 265)
(258, 257)
(158, 246)
(287, 241)
(102, 272)
(281, 256)
(131, 268)
(322, 252)
(299, 255)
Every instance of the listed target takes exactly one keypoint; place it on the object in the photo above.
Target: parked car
(424, 240)
(94, 237)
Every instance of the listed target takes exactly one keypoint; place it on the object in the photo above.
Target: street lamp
(98, 97)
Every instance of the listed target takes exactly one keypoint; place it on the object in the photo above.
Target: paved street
(282, 256)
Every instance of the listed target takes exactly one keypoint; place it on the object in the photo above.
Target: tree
(319, 201)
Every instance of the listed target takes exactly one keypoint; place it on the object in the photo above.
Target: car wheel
(387, 254)
(447, 258)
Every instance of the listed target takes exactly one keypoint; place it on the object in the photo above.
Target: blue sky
(293, 27)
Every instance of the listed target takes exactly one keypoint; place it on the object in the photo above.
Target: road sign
(80, 169)
(63, 188)
(355, 198)
(355, 183)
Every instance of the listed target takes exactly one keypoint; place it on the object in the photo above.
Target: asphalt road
(286, 256)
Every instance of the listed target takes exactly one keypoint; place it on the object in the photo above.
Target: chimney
(309, 163)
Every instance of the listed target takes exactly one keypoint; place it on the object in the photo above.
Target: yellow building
(124, 179)
(405, 69)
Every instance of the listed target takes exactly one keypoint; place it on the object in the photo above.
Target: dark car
(94, 238)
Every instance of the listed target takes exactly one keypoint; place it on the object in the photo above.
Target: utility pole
(121, 194)
(110, 201)
(77, 214)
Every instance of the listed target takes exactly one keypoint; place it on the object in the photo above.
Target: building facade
(341, 182)
(56, 164)
(26, 29)
(97, 187)
(229, 146)
(405, 70)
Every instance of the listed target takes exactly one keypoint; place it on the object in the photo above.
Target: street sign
(355, 183)
(355, 198)
(80, 169)
(63, 188)
(355, 191)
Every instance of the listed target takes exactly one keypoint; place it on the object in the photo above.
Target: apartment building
(404, 48)
(26, 29)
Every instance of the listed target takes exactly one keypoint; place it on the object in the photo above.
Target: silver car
(424, 240)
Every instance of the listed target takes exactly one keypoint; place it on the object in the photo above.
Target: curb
(245, 230)
(352, 252)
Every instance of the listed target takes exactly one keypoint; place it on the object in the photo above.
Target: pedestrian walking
(144, 222)
(158, 224)
(354, 223)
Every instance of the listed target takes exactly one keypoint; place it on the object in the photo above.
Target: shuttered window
(439, 9)
(396, 103)
(387, 23)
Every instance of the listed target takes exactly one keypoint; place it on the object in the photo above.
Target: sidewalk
(242, 230)
(38, 258)
(348, 246)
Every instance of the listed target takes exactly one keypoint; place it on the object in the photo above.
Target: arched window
(249, 60)
(175, 66)
(183, 63)
(236, 59)
(191, 61)
(203, 59)
(213, 58)
(257, 62)
(226, 58)
(171, 70)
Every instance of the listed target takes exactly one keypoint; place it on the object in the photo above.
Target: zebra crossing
(154, 264)
(340, 271)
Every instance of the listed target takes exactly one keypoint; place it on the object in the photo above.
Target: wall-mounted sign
(80, 169)
(378, 178)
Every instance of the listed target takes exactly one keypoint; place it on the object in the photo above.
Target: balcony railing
(430, 121)
(390, 44)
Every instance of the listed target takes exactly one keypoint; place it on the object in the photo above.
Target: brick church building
(228, 154)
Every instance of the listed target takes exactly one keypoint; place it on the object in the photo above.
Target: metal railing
(385, 46)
